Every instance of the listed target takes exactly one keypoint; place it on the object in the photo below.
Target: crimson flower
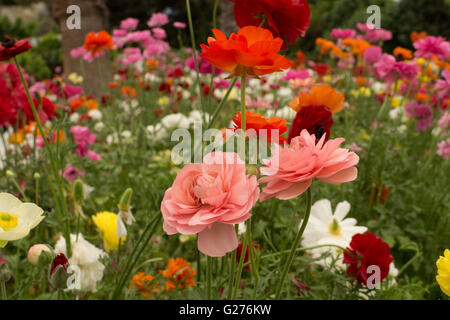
(9, 48)
(288, 19)
(60, 261)
(316, 119)
(246, 257)
(46, 110)
(367, 250)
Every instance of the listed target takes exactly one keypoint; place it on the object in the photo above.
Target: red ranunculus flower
(9, 48)
(59, 261)
(367, 250)
(287, 19)
(7, 110)
(247, 254)
(46, 110)
(317, 119)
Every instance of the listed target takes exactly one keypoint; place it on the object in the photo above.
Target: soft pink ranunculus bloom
(444, 149)
(208, 199)
(159, 33)
(291, 169)
(443, 85)
(372, 54)
(129, 24)
(444, 122)
(83, 138)
(179, 25)
(342, 33)
(432, 46)
(71, 174)
(77, 52)
(376, 35)
(158, 20)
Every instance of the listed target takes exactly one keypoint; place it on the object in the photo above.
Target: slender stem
(263, 22)
(253, 266)
(221, 104)
(216, 6)
(199, 265)
(52, 159)
(406, 265)
(288, 264)
(232, 269)
(243, 123)
(19, 188)
(208, 276)
(241, 264)
(194, 53)
(3, 289)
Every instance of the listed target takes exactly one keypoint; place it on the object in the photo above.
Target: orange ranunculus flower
(325, 45)
(178, 274)
(252, 51)
(91, 104)
(403, 53)
(113, 84)
(144, 284)
(128, 92)
(257, 122)
(76, 103)
(98, 42)
(416, 36)
(358, 47)
(152, 64)
(17, 137)
(319, 95)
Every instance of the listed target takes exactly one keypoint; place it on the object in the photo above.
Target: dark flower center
(319, 132)
(8, 42)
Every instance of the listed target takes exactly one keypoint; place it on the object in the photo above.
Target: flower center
(335, 228)
(8, 42)
(7, 221)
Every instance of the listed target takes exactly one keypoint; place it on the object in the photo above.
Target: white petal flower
(324, 227)
(17, 218)
(86, 257)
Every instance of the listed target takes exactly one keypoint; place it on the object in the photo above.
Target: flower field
(236, 169)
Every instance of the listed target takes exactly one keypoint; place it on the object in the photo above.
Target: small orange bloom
(178, 274)
(257, 122)
(361, 81)
(128, 92)
(300, 56)
(113, 84)
(144, 283)
(358, 47)
(91, 104)
(403, 53)
(252, 51)
(416, 36)
(75, 104)
(152, 64)
(17, 137)
(325, 45)
(319, 95)
(98, 42)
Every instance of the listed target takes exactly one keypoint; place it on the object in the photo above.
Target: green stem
(208, 276)
(232, 269)
(241, 264)
(199, 265)
(52, 159)
(3, 289)
(19, 188)
(216, 6)
(288, 264)
(194, 53)
(221, 104)
(253, 266)
(243, 123)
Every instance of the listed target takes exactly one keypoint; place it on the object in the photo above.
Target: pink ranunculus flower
(443, 86)
(129, 24)
(208, 199)
(342, 33)
(159, 33)
(158, 20)
(372, 54)
(432, 46)
(291, 169)
(444, 149)
(179, 25)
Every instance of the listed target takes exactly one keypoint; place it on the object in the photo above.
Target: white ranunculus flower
(285, 93)
(99, 126)
(175, 120)
(74, 117)
(95, 114)
(85, 256)
(324, 227)
(196, 115)
(17, 218)
(157, 132)
(285, 112)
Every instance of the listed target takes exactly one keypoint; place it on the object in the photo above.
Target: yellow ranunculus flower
(106, 222)
(443, 277)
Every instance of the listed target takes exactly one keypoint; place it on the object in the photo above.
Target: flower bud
(5, 274)
(252, 169)
(36, 176)
(125, 200)
(58, 274)
(40, 255)
(78, 191)
(9, 174)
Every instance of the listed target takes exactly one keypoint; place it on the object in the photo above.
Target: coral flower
(320, 95)
(179, 274)
(208, 199)
(291, 170)
(96, 43)
(9, 48)
(262, 126)
(317, 119)
(252, 51)
(416, 36)
(285, 18)
(367, 250)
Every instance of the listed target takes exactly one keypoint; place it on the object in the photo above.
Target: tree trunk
(94, 18)
(226, 20)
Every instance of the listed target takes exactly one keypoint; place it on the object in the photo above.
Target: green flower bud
(125, 200)
(9, 174)
(36, 176)
(78, 191)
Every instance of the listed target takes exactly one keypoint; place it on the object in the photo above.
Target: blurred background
(45, 20)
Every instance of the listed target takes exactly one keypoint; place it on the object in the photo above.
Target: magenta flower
(295, 74)
(432, 46)
(372, 54)
(444, 122)
(342, 33)
(78, 52)
(159, 33)
(421, 112)
(83, 138)
(444, 149)
(158, 20)
(71, 174)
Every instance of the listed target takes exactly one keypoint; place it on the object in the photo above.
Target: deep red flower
(300, 286)
(9, 48)
(45, 110)
(367, 250)
(317, 119)
(7, 110)
(246, 257)
(321, 68)
(59, 261)
(288, 19)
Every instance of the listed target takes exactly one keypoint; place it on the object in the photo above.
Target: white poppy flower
(17, 218)
(324, 227)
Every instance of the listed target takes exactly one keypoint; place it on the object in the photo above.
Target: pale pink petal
(217, 239)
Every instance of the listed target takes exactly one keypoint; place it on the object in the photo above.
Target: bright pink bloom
(444, 149)
(179, 25)
(295, 74)
(291, 169)
(421, 112)
(78, 52)
(158, 20)
(208, 199)
(444, 122)
(159, 33)
(376, 35)
(372, 54)
(72, 173)
(342, 33)
(432, 46)
(83, 138)
(129, 24)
